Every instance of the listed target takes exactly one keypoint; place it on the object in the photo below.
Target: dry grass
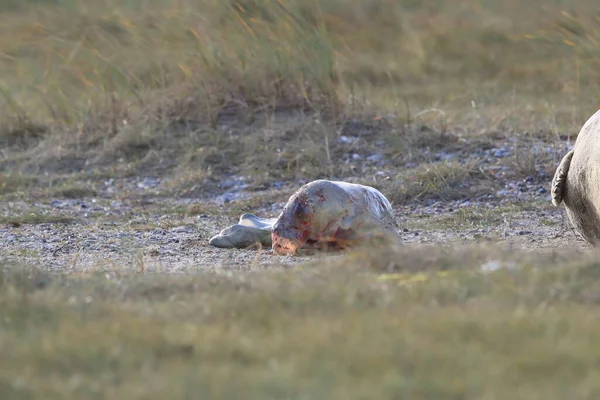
(151, 83)
(14, 185)
(326, 331)
(72, 190)
(441, 181)
(15, 182)
(258, 52)
(35, 218)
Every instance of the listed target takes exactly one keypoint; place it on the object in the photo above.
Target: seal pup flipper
(560, 179)
(249, 231)
(254, 221)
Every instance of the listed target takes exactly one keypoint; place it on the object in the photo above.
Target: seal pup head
(312, 217)
(293, 226)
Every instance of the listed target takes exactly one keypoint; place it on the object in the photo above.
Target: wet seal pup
(320, 215)
(576, 182)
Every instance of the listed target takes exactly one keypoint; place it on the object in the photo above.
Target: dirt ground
(447, 187)
(132, 223)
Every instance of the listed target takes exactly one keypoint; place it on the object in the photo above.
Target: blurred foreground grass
(496, 324)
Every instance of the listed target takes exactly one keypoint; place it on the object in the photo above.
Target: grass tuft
(441, 181)
(36, 218)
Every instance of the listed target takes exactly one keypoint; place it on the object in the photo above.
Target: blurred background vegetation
(500, 63)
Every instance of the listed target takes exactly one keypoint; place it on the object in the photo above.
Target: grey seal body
(332, 214)
(576, 182)
(321, 214)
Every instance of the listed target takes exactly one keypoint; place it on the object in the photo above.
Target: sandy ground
(138, 223)
(107, 234)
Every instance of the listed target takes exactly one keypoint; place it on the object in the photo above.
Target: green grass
(330, 330)
(477, 216)
(194, 92)
(14, 182)
(72, 190)
(438, 181)
(36, 218)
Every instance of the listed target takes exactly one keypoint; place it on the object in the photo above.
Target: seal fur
(322, 214)
(332, 214)
(576, 182)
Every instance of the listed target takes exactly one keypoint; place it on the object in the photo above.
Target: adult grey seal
(322, 214)
(576, 182)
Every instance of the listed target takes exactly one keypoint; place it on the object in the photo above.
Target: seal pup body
(332, 214)
(320, 215)
(576, 182)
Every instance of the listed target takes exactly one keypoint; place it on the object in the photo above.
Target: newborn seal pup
(332, 214)
(576, 182)
(320, 215)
